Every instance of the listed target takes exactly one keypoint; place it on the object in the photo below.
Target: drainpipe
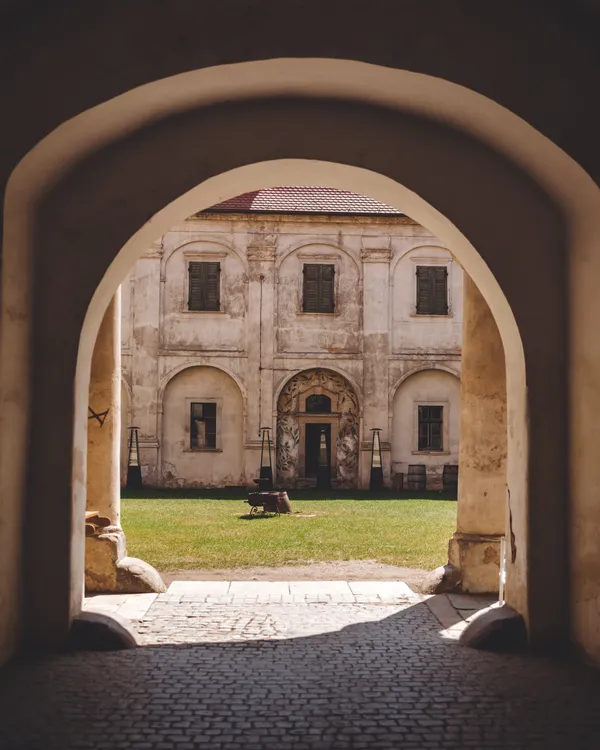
(260, 367)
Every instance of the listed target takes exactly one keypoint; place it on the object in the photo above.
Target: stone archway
(293, 418)
(371, 144)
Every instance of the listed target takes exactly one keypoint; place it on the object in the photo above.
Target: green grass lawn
(182, 533)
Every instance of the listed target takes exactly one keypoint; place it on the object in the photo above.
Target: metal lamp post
(376, 480)
(134, 470)
(265, 481)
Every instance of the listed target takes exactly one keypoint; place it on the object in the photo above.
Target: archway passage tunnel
(368, 149)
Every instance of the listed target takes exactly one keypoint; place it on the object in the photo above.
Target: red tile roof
(307, 199)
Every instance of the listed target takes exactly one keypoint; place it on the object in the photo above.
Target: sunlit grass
(186, 533)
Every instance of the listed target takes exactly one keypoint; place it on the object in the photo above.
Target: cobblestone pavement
(296, 676)
(243, 610)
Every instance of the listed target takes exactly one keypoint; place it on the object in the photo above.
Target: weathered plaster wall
(482, 487)
(181, 329)
(104, 429)
(126, 422)
(330, 333)
(427, 387)
(483, 493)
(412, 333)
(261, 259)
(127, 300)
(182, 466)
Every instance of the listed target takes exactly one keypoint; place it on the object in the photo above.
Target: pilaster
(145, 348)
(108, 569)
(481, 512)
(375, 255)
(104, 418)
(261, 254)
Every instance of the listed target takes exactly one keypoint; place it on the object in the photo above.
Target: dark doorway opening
(313, 439)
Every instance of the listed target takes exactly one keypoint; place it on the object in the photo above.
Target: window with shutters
(432, 290)
(204, 286)
(431, 420)
(203, 425)
(318, 288)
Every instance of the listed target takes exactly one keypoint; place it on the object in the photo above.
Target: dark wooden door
(311, 449)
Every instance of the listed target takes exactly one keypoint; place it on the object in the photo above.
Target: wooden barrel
(284, 503)
(398, 481)
(450, 477)
(271, 504)
(416, 477)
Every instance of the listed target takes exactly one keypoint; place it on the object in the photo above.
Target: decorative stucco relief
(288, 441)
(288, 433)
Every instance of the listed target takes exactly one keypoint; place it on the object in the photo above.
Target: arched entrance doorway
(314, 402)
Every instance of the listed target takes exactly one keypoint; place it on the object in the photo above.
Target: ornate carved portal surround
(292, 419)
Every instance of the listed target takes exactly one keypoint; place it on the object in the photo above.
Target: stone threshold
(452, 611)
(135, 606)
(455, 611)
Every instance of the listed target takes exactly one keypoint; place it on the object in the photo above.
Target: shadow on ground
(391, 683)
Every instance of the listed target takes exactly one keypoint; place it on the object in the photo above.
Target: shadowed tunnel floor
(390, 682)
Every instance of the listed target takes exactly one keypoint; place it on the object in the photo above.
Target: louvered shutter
(318, 288)
(204, 286)
(423, 428)
(423, 291)
(440, 290)
(196, 286)
(310, 288)
(432, 290)
(213, 283)
(326, 301)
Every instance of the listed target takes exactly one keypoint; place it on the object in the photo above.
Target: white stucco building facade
(305, 310)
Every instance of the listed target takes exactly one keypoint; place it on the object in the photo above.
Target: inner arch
(140, 124)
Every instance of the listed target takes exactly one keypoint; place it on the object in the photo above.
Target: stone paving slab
(196, 588)
(326, 588)
(259, 588)
(380, 589)
(136, 606)
(441, 606)
(131, 606)
(468, 603)
(240, 592)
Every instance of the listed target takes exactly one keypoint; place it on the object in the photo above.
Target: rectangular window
(432, 290)
(317, 288)
(431, 420)
(204, 286)
(203, 425)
